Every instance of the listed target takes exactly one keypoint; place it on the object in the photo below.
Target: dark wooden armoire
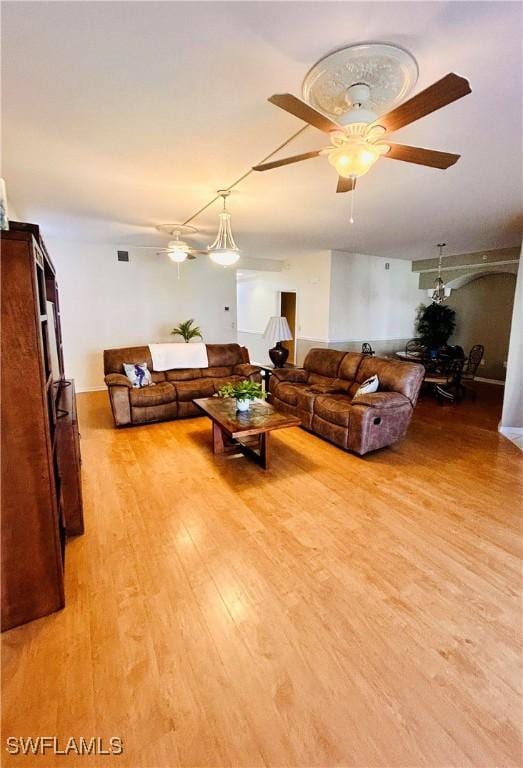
(40, 461)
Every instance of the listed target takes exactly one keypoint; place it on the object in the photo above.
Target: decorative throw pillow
(368, 386)
(138, 374)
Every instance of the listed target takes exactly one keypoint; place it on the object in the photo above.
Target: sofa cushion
(224, 354)
(221, 381)
(288, 392)
(323, 361)
(159, 394)
(316, 379)
(349, 365)
(183, 374)
(305, 399)
(328, 389)
(333, 408)
(190, 390)
(217, 370)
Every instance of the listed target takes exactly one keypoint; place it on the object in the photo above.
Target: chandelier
(224, 250)
(438, 294)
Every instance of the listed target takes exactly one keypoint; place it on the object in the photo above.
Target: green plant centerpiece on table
(244, 391)
(435, 325)
(187, 330)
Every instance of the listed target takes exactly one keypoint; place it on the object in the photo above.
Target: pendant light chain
(353, 195)
(244, 176)
(438, 296)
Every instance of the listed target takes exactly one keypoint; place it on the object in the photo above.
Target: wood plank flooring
(333, 611)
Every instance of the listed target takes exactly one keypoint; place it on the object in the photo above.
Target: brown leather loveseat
(322, 395)
(174, 390)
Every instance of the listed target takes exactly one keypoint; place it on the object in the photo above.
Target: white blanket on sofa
(176, 355)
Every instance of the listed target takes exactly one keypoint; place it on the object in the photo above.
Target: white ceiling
(118, 116)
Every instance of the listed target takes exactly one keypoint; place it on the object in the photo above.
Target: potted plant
(434, 325)
(244, 391)
(187, 330)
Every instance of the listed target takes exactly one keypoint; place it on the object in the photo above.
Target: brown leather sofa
(174, 390)
(322, 395)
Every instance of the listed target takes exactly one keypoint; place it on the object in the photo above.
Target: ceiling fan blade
(304, 112)
(286, 161)
(345, 185)
(445, 91)
(430, 157)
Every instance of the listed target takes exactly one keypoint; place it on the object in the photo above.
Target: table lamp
(277, 331)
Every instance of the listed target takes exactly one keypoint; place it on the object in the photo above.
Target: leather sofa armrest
(296, 375)
(382, 400)
(246, 369)
(117, 380)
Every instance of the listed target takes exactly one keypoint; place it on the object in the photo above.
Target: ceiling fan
(356, 136)
(176, 249)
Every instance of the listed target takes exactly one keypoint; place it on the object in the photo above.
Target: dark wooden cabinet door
(40, 461)
(32, 568)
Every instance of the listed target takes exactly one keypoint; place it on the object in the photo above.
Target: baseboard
(499, 382)
(511, 431)
(99, 388)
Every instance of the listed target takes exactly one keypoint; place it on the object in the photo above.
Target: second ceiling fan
(357, 135)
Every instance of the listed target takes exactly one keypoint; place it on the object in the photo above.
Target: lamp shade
(278, 330)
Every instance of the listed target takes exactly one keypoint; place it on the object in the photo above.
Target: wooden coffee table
(248, 431)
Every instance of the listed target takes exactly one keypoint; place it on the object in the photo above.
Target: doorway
(288, 310)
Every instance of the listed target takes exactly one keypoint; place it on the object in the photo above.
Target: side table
(266, 372)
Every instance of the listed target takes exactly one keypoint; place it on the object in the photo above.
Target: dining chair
(445, 381)
(471, 366)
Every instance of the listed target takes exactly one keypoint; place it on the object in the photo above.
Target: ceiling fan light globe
(354, 159)
(177, 255)
(224, 257)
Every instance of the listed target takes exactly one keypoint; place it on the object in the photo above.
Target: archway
(483, 304)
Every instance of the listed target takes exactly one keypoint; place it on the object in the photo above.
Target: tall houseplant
(187, 330)
(435, 325)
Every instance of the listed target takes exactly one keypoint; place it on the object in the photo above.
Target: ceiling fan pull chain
(353, 195)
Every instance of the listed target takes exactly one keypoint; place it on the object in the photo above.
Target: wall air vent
(123, 255)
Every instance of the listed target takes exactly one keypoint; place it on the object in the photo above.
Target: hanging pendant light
(438, 294)
(224, 250)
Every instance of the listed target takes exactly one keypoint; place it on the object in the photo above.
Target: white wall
(106, 303)
(369, 302)
(12, 213)
(258, 298)
(342, 300)
(512, 417)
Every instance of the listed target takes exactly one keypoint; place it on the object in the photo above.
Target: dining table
(412, 357)
(443, 364)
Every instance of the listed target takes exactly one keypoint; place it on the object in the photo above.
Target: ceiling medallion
(389, 71)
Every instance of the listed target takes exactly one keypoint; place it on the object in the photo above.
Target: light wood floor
(333, 611)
